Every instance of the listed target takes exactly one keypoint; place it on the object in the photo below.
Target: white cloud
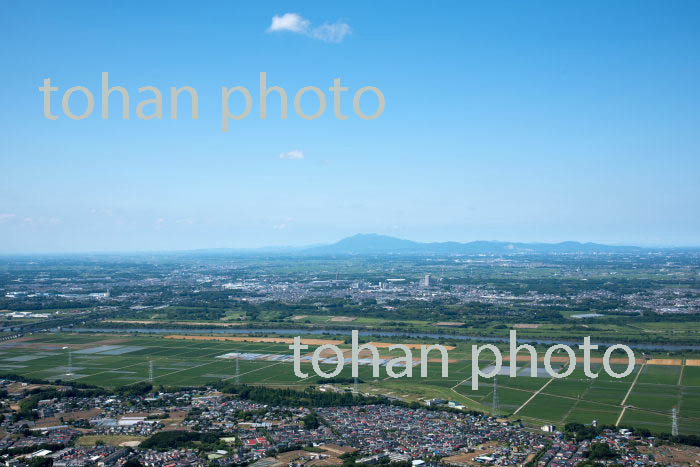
(293, 22)
(101, 212)
(30, 221)
(284, 224)
(334, 32)
(295, 154)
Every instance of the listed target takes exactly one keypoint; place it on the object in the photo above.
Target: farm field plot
(607, 392)
(653, 421)
(526, 383)
(603, 376)
(660, 374)
(651, 396)
(568, 387)
(586, 412)
(689, 405)
(548, 408)
(691, 376)
(509, 399)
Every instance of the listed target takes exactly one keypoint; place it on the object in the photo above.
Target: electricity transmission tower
(495, 397)
(237, 377)
(69, 370)
(674, 425)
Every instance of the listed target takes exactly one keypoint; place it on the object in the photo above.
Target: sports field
(645, 398)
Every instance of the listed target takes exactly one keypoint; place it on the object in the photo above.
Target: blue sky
(523, 121)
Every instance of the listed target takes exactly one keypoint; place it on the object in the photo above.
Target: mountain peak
(371, 243)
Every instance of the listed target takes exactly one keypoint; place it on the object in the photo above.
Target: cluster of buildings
(103, 456)
(563, 454)
(251, 433)
(77, 456)
(630, 450)
(427, 434)
(59, 435)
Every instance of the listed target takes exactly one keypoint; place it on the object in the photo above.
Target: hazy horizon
(329, 242)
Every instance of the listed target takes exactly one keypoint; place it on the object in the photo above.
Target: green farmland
(645, 398)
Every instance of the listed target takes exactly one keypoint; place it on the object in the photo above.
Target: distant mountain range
(374, 244)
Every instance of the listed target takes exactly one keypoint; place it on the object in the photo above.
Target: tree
(601, 451)
(132, 463)
(311, 421)
(41, 462)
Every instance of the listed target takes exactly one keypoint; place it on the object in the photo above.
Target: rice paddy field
(645, 398)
